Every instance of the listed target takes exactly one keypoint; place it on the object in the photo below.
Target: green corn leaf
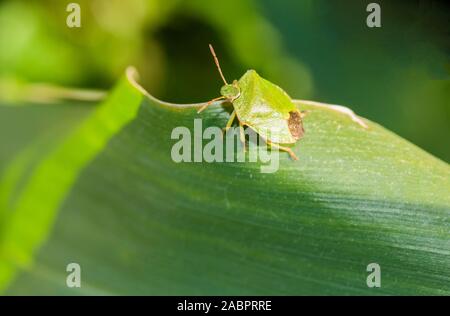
(105, 193)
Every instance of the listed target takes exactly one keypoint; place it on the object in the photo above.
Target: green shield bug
(263, 107)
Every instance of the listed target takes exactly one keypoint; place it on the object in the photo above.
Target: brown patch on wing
(295, 124)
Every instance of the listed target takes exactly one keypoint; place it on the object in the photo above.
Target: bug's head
(230, 91)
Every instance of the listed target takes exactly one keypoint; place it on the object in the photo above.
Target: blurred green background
(396, 75)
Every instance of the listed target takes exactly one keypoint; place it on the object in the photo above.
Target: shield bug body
(263, 107)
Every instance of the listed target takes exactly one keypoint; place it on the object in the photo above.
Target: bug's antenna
(217, 63)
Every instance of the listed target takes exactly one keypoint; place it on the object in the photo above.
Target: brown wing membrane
(295, 124)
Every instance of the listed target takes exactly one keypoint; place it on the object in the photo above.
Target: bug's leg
(209, 103)
(242, 135)
(338, 108)
(283, 148)
(230, 121)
